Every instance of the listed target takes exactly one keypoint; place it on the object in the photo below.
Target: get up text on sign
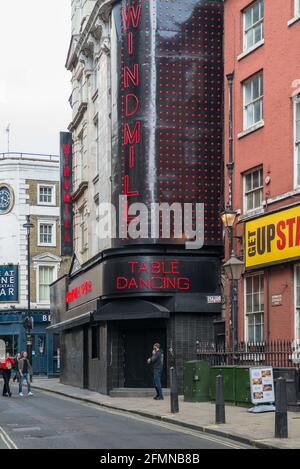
(273, 238)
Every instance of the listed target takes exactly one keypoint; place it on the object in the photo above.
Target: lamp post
(28, 323)
(234, 269)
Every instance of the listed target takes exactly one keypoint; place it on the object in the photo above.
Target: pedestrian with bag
(157, 362)
(25, 370)
(6, 367)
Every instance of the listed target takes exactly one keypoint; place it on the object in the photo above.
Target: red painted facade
(271, 146)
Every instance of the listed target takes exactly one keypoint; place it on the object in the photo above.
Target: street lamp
(228, 217)
(28, 323)
(234, 269)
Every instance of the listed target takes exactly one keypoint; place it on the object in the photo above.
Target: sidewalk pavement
(254, 429)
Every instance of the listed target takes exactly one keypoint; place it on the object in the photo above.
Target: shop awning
(131, 309)
(73, 322)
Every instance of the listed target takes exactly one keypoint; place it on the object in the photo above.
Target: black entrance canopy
(131, 309)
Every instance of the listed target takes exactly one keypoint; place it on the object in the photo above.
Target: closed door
(137, 349)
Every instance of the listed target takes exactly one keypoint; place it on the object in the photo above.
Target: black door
(137, 348)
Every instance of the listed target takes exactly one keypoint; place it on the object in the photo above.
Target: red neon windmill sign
(167, 100)
(66, 191)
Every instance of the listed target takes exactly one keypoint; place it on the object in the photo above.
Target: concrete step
(136, 392)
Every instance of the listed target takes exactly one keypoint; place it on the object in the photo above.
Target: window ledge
(252, 129)
(252, 49)
(294, 20)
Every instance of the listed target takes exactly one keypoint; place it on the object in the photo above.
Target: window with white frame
(297, 7)
(46, 233)
(297, 141)
(297, 302)
(253, 100)
(46, 195)
(254, 307)
(45, 278)
(253, 189)
(253, 17)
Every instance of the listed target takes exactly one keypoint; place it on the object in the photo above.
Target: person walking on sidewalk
(157, 362)
(16, 368)
(25, 370)
(6, 366)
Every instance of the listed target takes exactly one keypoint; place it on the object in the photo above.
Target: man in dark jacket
(157, 362)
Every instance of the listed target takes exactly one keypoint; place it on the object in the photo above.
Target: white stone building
(89, 62)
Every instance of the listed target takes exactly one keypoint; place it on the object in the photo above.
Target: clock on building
(6, 199)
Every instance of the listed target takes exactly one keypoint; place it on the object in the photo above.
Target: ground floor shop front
(45, 345)
(117, 308)
(109, 355)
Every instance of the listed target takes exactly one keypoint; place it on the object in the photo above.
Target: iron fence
(280, 353)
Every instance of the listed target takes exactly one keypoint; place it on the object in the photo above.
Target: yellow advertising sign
(273, 238)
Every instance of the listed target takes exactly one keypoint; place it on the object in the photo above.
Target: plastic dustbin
(242, 385)
(196, 381)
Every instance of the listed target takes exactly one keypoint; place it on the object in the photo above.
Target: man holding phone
(157, 362)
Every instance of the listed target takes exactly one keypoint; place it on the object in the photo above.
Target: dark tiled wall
(72, 358)
(184, 329)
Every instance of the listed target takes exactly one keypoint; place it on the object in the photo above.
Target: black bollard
(220, 404)
(281, 416)
(173, 391)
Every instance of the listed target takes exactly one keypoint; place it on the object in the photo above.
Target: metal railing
(278, 353)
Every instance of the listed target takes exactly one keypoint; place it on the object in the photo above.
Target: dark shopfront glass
(11, 343)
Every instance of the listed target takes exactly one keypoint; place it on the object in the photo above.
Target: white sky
(34, 84)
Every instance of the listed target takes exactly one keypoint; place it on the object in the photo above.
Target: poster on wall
(262, 385)
(9, 284)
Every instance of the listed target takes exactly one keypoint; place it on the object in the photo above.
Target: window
(82, 88)
(46, 195)
(46, 277)
(253, 189)
(253, 24)
(47, 233)
(297, 142)
(297, 7)
(82, 231)
(80, 159)
(297, 302)
(95, 78)
(95, 342)
(254, 299)
(253, 101)
(96, 128)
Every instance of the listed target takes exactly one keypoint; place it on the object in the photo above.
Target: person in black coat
(157, 362)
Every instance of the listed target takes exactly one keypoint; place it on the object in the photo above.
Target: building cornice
(80, 191)
(78, 117)
(92, 29)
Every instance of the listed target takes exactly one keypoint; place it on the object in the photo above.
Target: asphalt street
(46, 421)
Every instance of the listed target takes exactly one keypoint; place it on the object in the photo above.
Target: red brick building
(262, 49)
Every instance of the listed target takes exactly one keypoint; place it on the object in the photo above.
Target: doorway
(137, 345)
